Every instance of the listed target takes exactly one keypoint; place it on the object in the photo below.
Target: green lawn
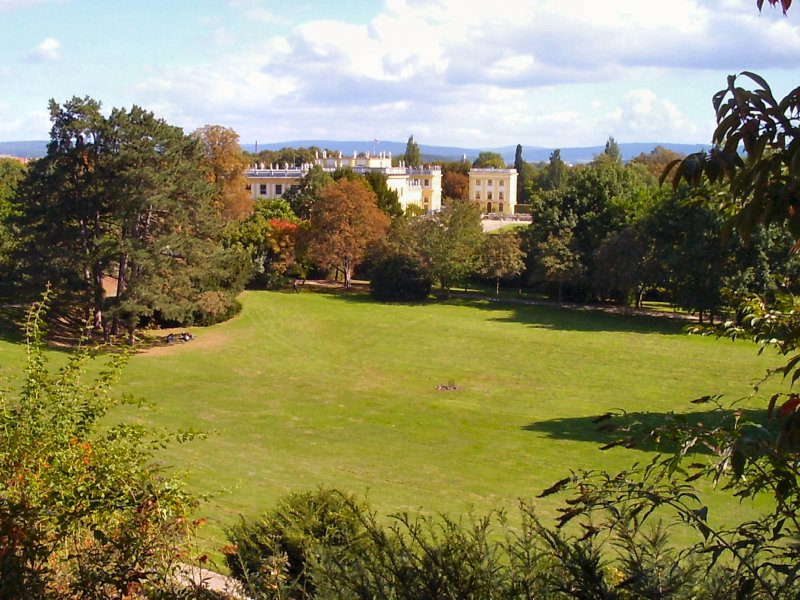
(311, 388)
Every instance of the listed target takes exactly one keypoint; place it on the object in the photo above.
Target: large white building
(420, 186)
(495, 190)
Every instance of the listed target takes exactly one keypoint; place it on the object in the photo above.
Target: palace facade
(420, 186)
(495, 190)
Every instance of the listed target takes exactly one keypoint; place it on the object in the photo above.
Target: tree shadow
(544, 315)
(631, 430)
(12, 324)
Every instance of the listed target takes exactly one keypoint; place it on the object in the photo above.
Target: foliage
(611, 153)
(455, 185)
(449, 242)
(123, 196)
(785, 4)
(471, 558)
(555, 174)
(344, 221)
(226, 163)
(294, 157)
(303, 197)
(656, 160)
(753, 455)
(489, 160)
(269, 238)
(412, 156)
(386, 197)
(86, 510)
(399, 277)
(501, 257)
(12, 172)
(274, 555)
(764, 187)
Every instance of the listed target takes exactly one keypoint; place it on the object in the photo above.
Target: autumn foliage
(344, 221)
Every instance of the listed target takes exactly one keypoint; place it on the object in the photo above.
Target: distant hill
(454, 153)
(31, 149)
(37, 149)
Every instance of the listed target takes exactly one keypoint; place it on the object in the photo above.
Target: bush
(276, 552)
(399, 278)
(324, 544)
(84, 509)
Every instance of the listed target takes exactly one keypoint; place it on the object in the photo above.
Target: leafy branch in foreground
(85, 509)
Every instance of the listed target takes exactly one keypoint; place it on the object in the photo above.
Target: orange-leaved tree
(344, 221)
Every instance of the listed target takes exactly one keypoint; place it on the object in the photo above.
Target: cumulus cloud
(16, 126)
(466, 75)
(48, 51)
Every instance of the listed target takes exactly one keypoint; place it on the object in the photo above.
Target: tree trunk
(497, 288)
(347, 271)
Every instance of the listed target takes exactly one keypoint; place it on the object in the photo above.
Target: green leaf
(746, 587)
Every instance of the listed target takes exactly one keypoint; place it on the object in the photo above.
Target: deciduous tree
(501, 257)
(226, 164)
(489, 160)
(303, 197)
(449, 242)
(344, 221)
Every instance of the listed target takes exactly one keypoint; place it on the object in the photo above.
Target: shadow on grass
(12, 324)
(541, 315)
(637, 425)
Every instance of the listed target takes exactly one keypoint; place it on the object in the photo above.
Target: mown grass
(324, 388)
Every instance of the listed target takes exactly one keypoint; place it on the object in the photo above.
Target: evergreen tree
(555, 172)
(126, 196)
(612, 151)
(412, 156)
(519, 165)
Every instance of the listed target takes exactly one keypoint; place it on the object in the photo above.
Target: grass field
(312, 388)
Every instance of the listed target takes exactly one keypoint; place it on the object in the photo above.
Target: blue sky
(451, 72)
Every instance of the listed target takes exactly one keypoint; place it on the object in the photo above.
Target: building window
(488, 195)
(477, 195)
(489, 182)
(427, 182)
(262, 189)
(477, 182)
(500, 196)
(500, 207)
(248, 187)
(488, 207)
(278, 189)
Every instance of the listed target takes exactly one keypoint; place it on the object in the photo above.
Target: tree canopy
(344, 221)
(488, 160)
(125, 196)
(412, 156)
(226, 163)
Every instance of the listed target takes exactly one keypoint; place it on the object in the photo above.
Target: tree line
(134, 223)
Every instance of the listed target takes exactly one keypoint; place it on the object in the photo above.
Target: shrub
(276, 552)
(84, 510)
(399, 277)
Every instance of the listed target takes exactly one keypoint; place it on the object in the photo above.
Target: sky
(469, 73)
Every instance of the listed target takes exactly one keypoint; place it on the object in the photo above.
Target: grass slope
(303, 389)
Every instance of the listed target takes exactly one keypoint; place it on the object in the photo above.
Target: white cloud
(48, 51)
(454, 72)
(17, 126)
(12, 4)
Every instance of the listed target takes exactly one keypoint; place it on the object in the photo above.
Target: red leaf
(789, 406)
